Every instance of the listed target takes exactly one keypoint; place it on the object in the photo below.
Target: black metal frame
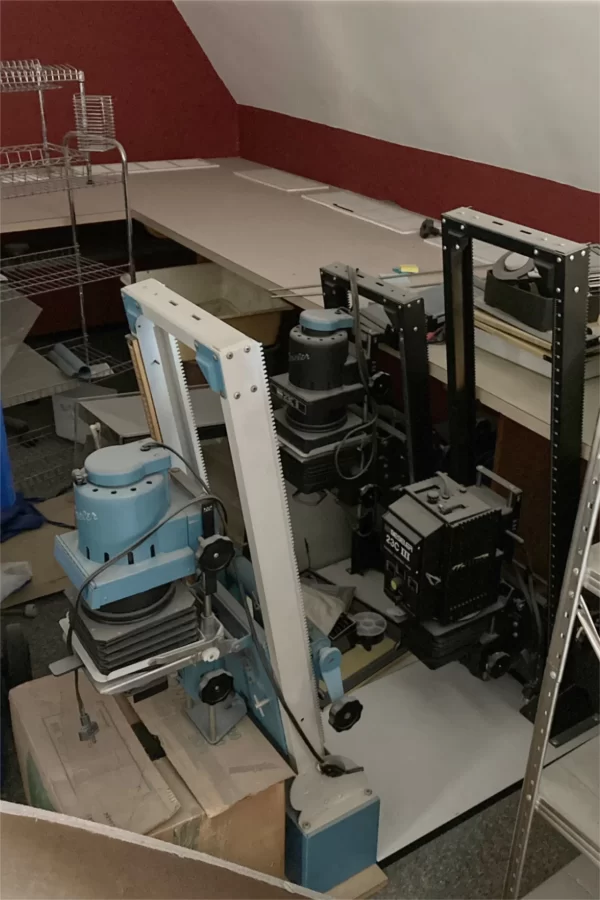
(406, 312)
(563, 265)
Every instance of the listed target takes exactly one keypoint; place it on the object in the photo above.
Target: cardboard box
(111, 781)
(68, 421)
(228, 799)
(49, 855)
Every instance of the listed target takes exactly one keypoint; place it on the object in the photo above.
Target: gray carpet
(467, 861)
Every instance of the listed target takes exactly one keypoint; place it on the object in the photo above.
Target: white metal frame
(166, 318)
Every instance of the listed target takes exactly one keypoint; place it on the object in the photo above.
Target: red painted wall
(169, 101)
(419, 180)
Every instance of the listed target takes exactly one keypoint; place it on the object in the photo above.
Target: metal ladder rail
(572, 610)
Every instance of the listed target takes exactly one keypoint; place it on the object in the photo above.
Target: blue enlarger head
(125, 492)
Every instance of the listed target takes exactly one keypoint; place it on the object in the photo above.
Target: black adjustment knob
(215, 553)
(429, 229)
(345, 713)
(215, 686)
(497, 664)
(381, 385)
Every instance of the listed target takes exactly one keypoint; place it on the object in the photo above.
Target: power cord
(192, 471)
(326, 766)
(265, 663)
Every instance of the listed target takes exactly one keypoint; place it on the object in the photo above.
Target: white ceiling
(512, 84)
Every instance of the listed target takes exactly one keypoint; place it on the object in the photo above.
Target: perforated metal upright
(563, 267)
(572, 612)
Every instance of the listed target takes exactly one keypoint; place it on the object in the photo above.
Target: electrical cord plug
(89, 729)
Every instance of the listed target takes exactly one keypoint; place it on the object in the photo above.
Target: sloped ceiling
(511, 84)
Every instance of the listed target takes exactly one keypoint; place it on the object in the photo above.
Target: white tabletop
(277, 239)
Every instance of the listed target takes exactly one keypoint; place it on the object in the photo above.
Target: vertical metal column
(415, 388)
(567, 390)
(460, 349)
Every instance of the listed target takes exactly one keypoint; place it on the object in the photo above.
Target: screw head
(553, 676)
(558, 290)
(457, 246)
(583, 252)
(230, 355)
(559, 259)
(237, 395)
(305, 826)
(254, 389)
(571, 256)
(247, 349)
(368, 792)
(576, 289)
(536, 252)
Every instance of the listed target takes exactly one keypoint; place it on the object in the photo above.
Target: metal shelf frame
(572, 613)
(563, 265)
(19, 75)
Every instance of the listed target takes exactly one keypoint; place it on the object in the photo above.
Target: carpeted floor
(466, 861)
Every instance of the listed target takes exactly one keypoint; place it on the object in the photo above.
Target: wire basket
(94, 122)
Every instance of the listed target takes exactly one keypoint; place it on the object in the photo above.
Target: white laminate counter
(277, 239)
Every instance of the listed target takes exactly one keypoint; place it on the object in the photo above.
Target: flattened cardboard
(49, 855)
(112, 781)
(242, 764)
(37, 548)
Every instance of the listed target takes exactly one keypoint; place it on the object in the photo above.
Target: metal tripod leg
(571, 611)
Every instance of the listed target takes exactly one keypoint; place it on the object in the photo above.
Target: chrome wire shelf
(41, 462)
(52, 270)
(31, 375)
(18, 75)
(40, 168)
(92, 356)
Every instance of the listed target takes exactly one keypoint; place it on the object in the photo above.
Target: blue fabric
(21, 516)
(7, 491)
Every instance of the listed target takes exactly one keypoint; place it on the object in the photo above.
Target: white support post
(248, 416)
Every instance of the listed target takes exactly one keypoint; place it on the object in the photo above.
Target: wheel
(16, 660)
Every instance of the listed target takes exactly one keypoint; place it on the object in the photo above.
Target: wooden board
(364, 884)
